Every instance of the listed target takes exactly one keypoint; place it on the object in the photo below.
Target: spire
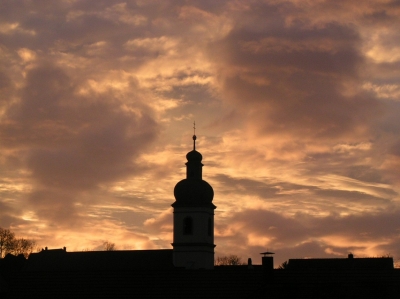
(194, 136)
(194, 157)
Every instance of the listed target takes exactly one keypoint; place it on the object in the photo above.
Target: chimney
(249, 264)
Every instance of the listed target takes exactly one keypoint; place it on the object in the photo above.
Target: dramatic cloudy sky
(296, 103)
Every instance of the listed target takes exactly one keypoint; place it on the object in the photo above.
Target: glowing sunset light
(296, 106)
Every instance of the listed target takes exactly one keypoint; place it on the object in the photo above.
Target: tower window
(209, 227)
(188, 226)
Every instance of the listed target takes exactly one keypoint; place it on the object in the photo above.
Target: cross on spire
(194, 135)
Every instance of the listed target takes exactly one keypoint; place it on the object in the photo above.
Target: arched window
(209, 227)
(187, 226)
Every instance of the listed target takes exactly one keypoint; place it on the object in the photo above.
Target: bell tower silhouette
(193, 243)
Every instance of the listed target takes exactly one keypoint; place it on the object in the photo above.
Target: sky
(296, 105)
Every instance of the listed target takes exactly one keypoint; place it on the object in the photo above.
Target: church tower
(193, 244)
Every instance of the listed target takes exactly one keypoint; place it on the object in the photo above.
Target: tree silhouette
(229, 260)
(10, 244)
(23, 246)
(108, 246)
(6, 241)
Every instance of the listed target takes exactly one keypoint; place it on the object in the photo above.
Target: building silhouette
(187, 270)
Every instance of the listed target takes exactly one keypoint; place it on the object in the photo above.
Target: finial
(194, 135)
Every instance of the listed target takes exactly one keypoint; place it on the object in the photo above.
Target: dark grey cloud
(294, 78)
(56, 207)
(364, 173)
(8, 214)
(266, 189)
(284, 229)
(5, 82)
(340, 196)
(379, 226)
(70, 142)
(75, 140)
(293, 196)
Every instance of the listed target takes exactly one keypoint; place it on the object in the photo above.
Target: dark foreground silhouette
(151, 274)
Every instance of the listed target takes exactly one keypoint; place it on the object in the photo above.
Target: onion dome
(194, 156)
(193, 191)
